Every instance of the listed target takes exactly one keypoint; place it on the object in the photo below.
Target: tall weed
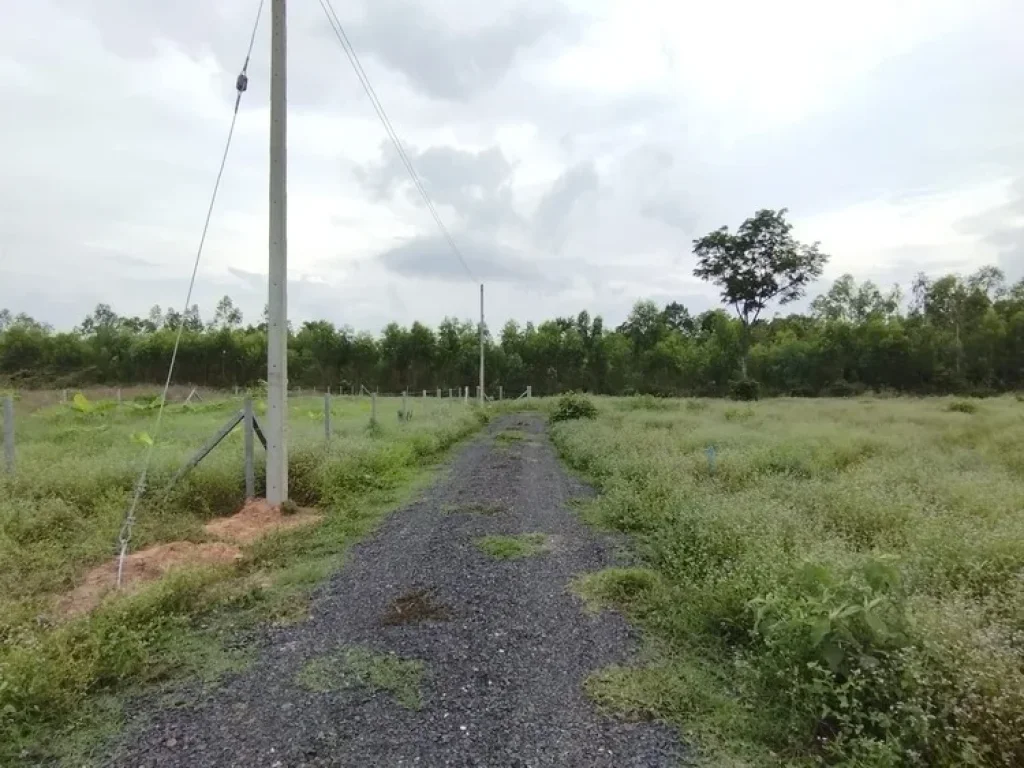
(856, 586)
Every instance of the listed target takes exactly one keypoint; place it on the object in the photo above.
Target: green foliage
(615, 587)
(745, 389)
(962, 406)
(961, 335)
(844, 388)
(573, 406)
(365, 668)
(513, 547)
(843, 590)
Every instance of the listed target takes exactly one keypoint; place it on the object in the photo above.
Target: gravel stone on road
(505, 648)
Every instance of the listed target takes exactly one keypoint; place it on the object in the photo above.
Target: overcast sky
(574, 149)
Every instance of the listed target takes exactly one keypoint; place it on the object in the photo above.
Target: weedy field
(821, 581)
(63, 679)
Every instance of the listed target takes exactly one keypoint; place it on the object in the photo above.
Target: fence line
(251, 424)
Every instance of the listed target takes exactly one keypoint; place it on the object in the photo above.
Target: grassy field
(62, 681)
(833, 582)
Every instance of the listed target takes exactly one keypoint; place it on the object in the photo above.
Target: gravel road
(504, 653)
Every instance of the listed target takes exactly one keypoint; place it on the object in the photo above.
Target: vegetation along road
(451, 638)
(813, 582)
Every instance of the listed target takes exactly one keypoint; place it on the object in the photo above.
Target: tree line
(951, 334)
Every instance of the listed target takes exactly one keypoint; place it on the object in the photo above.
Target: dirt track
(504, 647)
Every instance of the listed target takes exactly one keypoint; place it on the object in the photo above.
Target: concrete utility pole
(481, 393)
(277, 315)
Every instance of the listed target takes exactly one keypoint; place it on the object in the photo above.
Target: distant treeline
(953, 335)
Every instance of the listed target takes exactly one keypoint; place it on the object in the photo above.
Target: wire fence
(30, 417)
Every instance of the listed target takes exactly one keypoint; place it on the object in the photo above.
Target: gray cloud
(430, 256)
(477, 185)
(944, 114)
(1003, 228)
(118, 168)
(450, 63)
(552, 218)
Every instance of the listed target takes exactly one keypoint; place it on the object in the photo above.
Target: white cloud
(583, 143)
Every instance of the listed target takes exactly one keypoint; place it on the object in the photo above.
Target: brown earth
(256, 519)
(140, 568)
(253, 521)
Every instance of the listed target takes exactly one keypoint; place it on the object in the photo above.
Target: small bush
(745, 389)
(648, 403)
(573, 406)
(962, 406)
(844, 388)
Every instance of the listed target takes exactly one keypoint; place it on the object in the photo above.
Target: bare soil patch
(141, 568)
(257, 519)
(413, 607)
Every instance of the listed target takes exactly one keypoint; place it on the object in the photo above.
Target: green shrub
(744, 389)
(847, 578)
(844, 388)
(574, 406)
(802, 391)
(962, 406)
(649, 403)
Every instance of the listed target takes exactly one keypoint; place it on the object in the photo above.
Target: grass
(840, 582)
(513, 547)
(364, 668)
(510, 436)
(63, 682)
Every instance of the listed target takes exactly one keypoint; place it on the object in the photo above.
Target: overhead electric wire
(364, 80)
(241, 84)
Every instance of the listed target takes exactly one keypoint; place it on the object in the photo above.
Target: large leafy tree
(761, 262)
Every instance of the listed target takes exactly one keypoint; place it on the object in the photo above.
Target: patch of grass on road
(513, 547)
(365, 668)
(511, 436)
(824, 581)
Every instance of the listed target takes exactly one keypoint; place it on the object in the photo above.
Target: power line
(241, 84)
(364, 80)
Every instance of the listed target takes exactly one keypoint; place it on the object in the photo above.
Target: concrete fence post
(9, 433)
(119, 396)
(405, 405)
(438, 393)
(247, 436)
(449, 393)
(327, 417)
(373, 408)
(424, 394)
(501, 392)
(529, 392)
(465, 394)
